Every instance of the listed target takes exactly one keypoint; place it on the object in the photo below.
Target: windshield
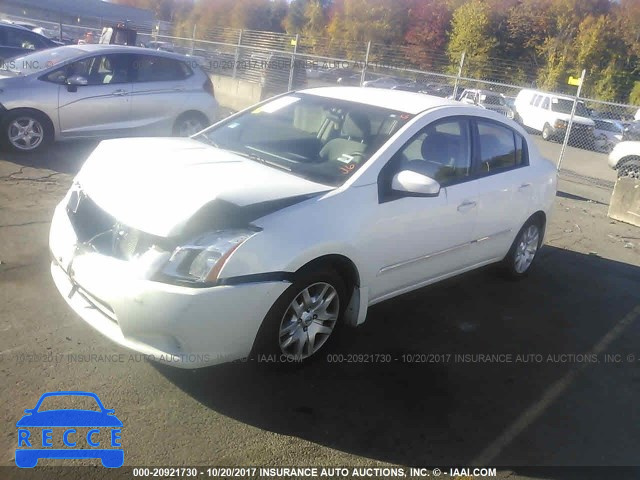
(562, 105)
(321, 139)
(37, 61)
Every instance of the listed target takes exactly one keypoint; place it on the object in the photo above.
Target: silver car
(98, 91)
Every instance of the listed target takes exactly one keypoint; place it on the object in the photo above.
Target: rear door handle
(120, 93)
(466, 205)
(523, 186)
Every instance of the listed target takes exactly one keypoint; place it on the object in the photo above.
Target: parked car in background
(632, 131)
(18, 40)
(607, 133)
(625, 159)
(163, 46)
(487, 99)
(397, 190)
(93, 91)
(549, 114)
(384, 82)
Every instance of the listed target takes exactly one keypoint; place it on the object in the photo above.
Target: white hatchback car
(273, 228)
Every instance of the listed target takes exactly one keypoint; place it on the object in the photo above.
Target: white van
(549, 114)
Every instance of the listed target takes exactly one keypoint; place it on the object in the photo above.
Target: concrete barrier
(235, 94)
(625, 201)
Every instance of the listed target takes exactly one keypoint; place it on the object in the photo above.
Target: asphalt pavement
(476, 370)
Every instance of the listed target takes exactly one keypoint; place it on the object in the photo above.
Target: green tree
(471, 33)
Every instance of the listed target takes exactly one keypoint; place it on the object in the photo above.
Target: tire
(629, 168)
(189, 124)
(524, 250)
(547, 133)
(26, 131)
(282, 334)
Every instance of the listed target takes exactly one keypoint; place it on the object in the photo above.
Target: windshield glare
(38, 61)
(321, 139)
(564, 106)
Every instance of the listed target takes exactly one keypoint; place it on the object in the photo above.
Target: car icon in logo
(66, 422)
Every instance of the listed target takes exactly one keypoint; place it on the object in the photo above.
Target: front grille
(101, 232)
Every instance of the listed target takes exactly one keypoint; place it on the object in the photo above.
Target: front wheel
(523, 251)
(304, 318)
(26, 131)
(547, 133)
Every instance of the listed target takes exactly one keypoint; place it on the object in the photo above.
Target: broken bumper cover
(181, 326)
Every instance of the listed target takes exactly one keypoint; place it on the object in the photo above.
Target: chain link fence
(577, 133)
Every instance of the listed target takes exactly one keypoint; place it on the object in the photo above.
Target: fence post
(573, 112)
(60, 26)
(237, 56)
(193, 37)
(293, 61)
(366, 63)
(455, 87)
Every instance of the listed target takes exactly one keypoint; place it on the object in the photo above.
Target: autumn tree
(426, 34)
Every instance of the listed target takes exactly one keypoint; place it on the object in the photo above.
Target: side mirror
(415, 183)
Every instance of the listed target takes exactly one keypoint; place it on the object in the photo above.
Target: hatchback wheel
(189, 124)
(26, 131)
(304, 318)
(524, 250)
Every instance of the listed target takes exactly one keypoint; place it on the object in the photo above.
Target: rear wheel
(304, 318)
(629, 168)
(524, 250)
(189, 124)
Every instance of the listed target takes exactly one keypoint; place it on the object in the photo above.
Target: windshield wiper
(257, 158)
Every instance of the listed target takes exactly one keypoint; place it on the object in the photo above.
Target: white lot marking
(489, 454)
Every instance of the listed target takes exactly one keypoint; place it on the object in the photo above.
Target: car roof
(10, 24)
(399, 100)
(102, 48)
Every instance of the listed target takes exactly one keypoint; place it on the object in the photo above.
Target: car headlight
(201, 260)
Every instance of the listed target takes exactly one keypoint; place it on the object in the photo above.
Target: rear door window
(500, 148)
(150, 68)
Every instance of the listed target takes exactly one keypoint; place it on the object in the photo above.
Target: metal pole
(237, 56)
(366, 63)
(573, 112)
(193, 37)
(293, 62)
(60, 26)
(455, 86)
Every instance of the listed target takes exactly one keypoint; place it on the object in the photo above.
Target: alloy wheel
(309, 320)
(527, 248)
(25, 133)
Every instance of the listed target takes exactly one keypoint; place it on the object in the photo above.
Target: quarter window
(500, 148)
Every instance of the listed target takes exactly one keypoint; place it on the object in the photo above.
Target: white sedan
(267, 232)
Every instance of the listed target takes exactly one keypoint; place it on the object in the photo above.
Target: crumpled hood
(157, 184)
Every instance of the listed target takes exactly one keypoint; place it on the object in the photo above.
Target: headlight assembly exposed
(201, 259)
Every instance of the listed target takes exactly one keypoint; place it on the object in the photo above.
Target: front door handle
(120, 93)
(524, 186)
(466, 205)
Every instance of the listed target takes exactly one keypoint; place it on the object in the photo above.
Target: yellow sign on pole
(574, 81)
(294, 42)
